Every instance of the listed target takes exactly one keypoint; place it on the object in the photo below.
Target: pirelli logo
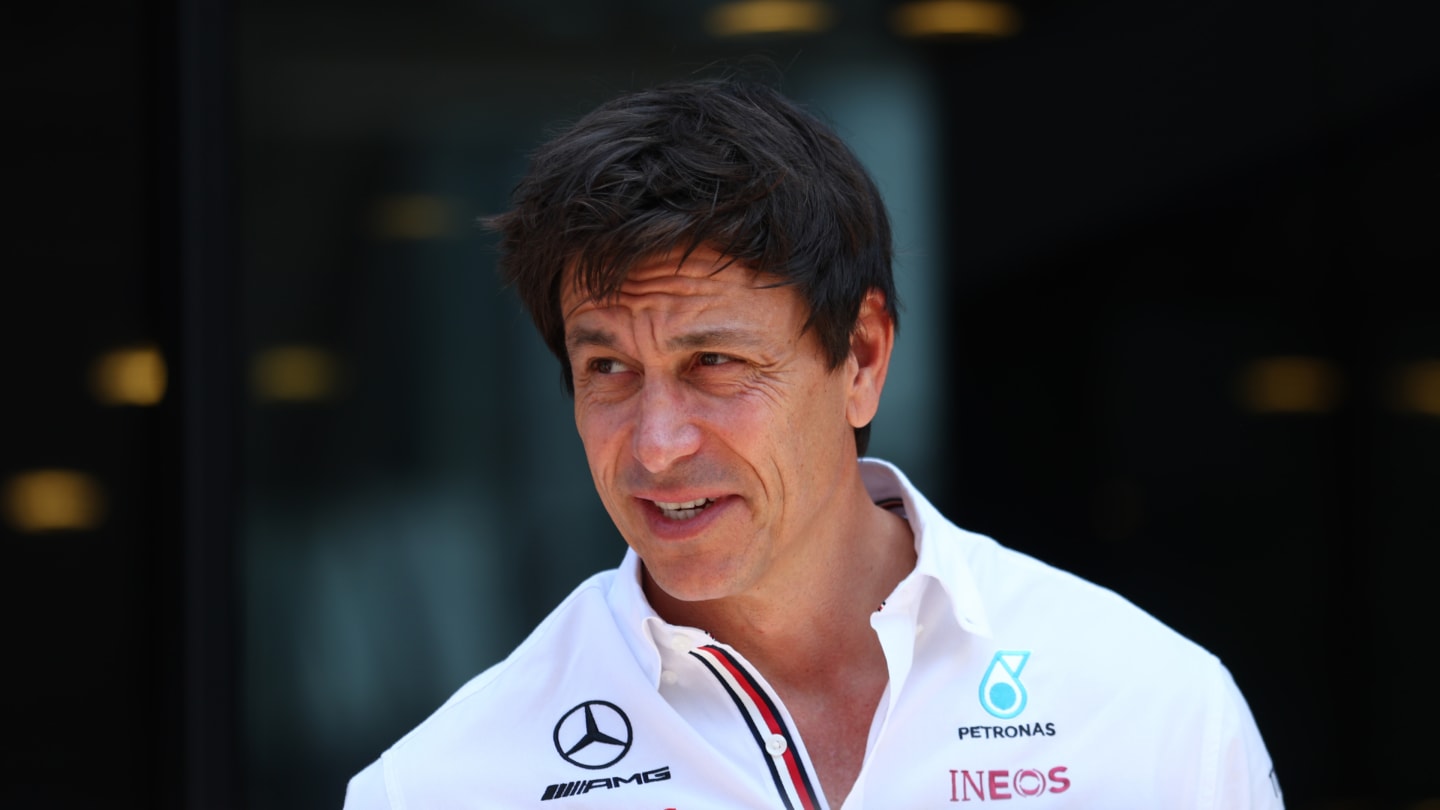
(565, 790)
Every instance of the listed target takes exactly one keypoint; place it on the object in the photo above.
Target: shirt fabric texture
(1010, 680)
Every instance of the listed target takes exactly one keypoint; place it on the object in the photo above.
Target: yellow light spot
(134, 375)
(976, 18)
(294, 374)
(53, 500)
(412, 216)
(1290, 384)
(747, 17)
(1418, 389)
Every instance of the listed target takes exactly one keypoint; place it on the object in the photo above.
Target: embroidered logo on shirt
(594, 735)
(579, 787)
(995, 784)
(1001, 693)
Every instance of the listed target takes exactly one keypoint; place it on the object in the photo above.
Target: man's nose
(666, 431)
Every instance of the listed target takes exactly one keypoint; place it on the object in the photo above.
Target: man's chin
(663, 585)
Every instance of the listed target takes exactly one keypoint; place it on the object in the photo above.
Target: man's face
(713, 428)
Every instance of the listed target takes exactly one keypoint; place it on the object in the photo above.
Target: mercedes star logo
(594, 735)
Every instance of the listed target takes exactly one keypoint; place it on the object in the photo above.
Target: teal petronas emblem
(1001, 692)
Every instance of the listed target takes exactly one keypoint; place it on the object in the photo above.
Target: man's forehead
(701, 272)
(578, 337)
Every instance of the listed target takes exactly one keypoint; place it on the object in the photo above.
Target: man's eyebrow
(589, 337)
(711, 338)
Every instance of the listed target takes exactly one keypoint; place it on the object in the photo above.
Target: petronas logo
(1001, 692)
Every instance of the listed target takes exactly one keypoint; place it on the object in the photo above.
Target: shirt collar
(938, 562)
(641, 626)
(940, 557)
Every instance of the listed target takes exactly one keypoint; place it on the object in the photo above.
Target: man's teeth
(683, 510)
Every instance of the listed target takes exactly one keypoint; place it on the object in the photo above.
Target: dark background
(1143, 213)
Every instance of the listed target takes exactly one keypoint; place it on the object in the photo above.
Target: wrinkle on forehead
(658, 282)
(687, 315)
(695, 261)
(597, 279)
(701, 339)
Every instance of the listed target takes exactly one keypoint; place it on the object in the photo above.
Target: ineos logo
(593, 735)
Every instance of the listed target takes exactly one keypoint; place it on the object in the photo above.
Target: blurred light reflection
(294, 374)
(746, 17)
(930, 18)
(1290, 384)
(1418, 389)
(134, 375)
(53, 500)
(412, 217)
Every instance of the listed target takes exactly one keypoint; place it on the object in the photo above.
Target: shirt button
(669, 677)
(775, 745)
(919, 628)
(681, 643)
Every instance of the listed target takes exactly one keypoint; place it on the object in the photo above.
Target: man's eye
(606, 365)
(713, 359)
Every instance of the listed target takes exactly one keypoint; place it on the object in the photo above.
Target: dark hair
(726, 163)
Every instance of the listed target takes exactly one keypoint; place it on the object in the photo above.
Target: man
(793, 626)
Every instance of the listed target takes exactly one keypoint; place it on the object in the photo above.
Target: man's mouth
(683, 510)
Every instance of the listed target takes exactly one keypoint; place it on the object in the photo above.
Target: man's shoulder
(507, 716)
(1009, 592)
(580, 622)
(1023, 593)
(1029, 585)
(1085, 634)
(580, 629)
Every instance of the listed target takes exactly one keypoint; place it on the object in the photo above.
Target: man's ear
(869, 361)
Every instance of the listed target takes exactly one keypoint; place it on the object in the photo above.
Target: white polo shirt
(1009, 681)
